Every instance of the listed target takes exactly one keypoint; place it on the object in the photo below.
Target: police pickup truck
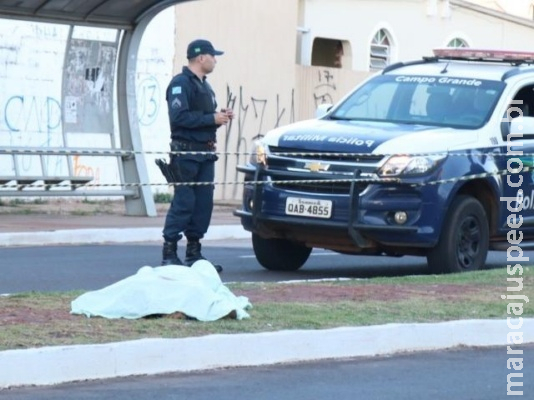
(431, 158)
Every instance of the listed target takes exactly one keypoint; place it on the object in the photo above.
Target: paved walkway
(43, 229)
(222, 215)
(52, 365)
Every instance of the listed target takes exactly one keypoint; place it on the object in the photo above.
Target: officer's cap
(201, 46)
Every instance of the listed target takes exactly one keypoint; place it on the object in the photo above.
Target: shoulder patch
(176, 90)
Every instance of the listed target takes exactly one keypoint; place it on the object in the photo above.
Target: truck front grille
(285, 160)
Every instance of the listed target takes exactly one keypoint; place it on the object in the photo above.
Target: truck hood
(368, 137)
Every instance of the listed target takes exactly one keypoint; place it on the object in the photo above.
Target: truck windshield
(427, 100)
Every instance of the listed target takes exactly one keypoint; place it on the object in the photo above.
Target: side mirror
(322, 110)
(522, 126)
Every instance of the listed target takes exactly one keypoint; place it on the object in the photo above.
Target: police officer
(194, 120)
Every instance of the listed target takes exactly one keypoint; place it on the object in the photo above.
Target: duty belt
(187, 145)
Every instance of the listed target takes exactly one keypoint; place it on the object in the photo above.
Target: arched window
(457, 42)
(380, 50)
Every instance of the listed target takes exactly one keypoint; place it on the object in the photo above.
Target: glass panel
(423, 100)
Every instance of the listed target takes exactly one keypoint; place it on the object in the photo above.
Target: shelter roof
(118, 14)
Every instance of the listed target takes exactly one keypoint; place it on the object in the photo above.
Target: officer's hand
(221, 118)
(228, 112)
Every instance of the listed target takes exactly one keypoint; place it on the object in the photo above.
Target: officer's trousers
(192, 205)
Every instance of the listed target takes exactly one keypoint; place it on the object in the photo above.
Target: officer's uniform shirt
(191, 103)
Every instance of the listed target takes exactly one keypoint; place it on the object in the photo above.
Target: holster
(167, 170)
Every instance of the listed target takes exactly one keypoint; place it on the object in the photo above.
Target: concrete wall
(31, 62)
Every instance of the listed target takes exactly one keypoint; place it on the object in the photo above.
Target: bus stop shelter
(130, 18)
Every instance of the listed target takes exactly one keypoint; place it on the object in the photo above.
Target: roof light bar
(466, 53)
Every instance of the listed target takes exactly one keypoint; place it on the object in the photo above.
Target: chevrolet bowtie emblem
(316, 167)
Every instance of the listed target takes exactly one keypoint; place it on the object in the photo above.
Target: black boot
(169, 254)
(192, 254)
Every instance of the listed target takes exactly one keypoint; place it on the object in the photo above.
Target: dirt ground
(301, 293)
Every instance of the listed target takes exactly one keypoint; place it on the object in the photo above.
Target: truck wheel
(279, 254)
(463, 245)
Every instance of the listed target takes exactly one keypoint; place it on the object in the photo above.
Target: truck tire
(463, 245)
(279, 254)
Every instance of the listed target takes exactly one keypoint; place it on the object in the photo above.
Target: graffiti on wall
(253, 117)
(82, 169)
(31, 120)
(325, 88)
(31, 113)
(148, 100)
(256, 114)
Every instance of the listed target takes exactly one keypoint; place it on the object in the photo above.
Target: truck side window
(523, 103)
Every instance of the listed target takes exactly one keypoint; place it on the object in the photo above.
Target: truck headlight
(259, 154)
(410, 165)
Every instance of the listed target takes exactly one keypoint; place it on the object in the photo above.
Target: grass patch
(16, 202)
(82, 213)
(39, 201)
(43, 319)
(86, 200)
(161, 197)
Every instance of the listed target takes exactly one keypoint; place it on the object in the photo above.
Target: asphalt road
(91, 267)
(463, 374)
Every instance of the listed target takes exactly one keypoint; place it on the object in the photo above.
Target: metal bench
(18, 184)
(42, 185)
(45, 182)
(13, 183)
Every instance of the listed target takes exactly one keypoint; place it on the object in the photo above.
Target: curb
(109, 235)
(54, 365)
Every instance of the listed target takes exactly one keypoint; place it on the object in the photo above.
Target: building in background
(520, 8)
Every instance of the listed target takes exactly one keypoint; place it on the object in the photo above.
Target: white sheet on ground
(195, 291)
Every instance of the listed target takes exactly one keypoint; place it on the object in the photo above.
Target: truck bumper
(361, 220)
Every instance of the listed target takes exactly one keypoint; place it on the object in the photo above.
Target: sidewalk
(53, 365)
(48, 229)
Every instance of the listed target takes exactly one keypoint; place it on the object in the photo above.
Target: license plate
(308, 207)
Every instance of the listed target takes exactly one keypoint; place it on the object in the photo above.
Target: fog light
(401, 217)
